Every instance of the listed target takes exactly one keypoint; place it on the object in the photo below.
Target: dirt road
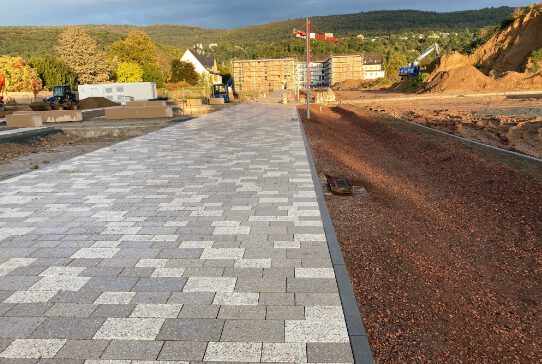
(511, 122)
(445, 253)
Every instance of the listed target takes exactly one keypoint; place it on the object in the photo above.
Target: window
(108, 90)
(120, 88)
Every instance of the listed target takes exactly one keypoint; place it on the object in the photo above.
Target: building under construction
(264, 74)
(268, 75)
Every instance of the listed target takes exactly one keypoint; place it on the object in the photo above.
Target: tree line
(79, 60)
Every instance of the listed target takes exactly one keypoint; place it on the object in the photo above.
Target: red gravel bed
(445, 253)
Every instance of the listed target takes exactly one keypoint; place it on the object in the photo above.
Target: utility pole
(307, 36)
(308, 69)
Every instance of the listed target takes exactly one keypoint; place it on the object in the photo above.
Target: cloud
(208, 13)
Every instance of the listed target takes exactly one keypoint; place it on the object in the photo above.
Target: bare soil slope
(502, 61)
(510, 49)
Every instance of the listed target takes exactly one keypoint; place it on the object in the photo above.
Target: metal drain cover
(340, 186)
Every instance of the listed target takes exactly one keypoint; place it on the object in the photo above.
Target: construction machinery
(2, 85)
(413, 69)
(222, 90)
(302, 34)
(63, 98)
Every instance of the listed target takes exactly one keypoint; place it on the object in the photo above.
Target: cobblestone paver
(199, 242)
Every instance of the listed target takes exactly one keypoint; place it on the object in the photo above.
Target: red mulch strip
(445, 254)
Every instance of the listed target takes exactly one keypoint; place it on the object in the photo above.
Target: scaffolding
(268, 75)
(264, 75)
(342, 68)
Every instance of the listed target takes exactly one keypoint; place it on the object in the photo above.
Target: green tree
(395, 61)
(53, 72)
(79, 51)
(138, 47)
(129, 72)
(184, 71)
(20, 77)
(153, 73)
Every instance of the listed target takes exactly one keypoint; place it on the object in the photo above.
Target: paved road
(199, 242)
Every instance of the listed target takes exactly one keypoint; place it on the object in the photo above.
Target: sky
(208, 13)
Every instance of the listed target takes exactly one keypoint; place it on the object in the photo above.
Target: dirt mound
(346, 84)
(95, 102)
(464, 78)
(509, 49)
(502, 64)
(469, 79)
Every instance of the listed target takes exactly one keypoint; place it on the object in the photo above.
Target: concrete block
(154, 112)
(193, 102)
(121, 113)
(26, 120)
(216, 101)
(61, 116)
(154, 103)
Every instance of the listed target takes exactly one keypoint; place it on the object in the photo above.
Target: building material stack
(140, 110)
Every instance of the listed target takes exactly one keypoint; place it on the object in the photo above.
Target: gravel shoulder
(39, 152)
(445, 251)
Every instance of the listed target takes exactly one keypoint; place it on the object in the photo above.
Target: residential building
(373, 66)
(318, 74)
(203, 65)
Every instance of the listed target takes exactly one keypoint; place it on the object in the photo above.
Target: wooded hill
(29, 41)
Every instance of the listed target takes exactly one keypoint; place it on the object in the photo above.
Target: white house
(203, 65)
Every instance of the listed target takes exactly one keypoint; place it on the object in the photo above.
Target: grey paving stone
(253, 330)
(117, 311)
(18, 327)
(159, 284)
(75, 297)
(110, 284)
(248, 284)
(242, 312)
(183, 350)
(201, 298)
(329, 353)
(199, 311)
(312, 285)
(68, 328)
(142, 350)
(151, 297)
(285, 313)
(191, 330)
(278, 299)
(82, 349)
(29, 309)
(70, 310)
(315, 299)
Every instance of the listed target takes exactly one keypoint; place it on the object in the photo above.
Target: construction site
(401, 224)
